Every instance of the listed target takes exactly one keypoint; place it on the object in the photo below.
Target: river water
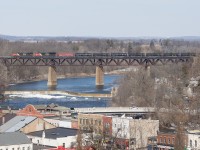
(79, 84)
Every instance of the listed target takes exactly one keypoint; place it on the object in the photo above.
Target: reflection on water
(83, 85)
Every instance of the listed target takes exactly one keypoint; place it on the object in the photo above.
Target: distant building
(91, 122)
(42, 111)
(107, 126)
(141, 130)
(166, 140)
(25, 124)
(125, 132)
(133, 133)
(54, 137)
(15, 141)
(152, 143)
(193, 140)
(64, 122)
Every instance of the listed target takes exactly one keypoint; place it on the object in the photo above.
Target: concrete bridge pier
(148, 70)
(99, 77)
(52, 78)
(7, 74)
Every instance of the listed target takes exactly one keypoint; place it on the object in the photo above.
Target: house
(54, 137)
(15, 141)
(25, 124)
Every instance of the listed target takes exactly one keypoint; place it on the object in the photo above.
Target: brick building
(91, 122)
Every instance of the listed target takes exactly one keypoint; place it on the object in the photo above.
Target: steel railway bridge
(100, 60)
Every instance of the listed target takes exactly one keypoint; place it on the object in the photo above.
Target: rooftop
(9, 138)
(16, 123)
(7, 117)
(194, 131)
(55, 133)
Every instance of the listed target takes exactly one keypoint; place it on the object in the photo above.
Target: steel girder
(94, 61)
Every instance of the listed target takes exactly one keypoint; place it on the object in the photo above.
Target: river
(78, 84)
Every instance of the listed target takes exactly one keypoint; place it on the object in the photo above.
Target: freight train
(69, 54)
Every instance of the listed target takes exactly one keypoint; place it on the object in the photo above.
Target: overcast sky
(104, 18)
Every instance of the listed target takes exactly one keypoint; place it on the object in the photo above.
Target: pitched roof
(13, 138)
(16, 123)
(55, 133)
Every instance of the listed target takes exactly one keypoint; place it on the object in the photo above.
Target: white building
(194, 140)
(120, 127)
(15, 141)
(54, 137)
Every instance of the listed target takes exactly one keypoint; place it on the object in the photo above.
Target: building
(107, 126)
(193, 140)
(91, 122)
(15, 141)
(42, 111)
(166, 139)
(64, 122)
(141, 130)
(152, 143)
(25, 124)
(125, 132)
(54, 137)
(133, 133)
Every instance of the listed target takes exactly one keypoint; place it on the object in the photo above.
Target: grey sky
(106, 18)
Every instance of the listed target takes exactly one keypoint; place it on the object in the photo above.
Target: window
(164, 140)
(168, 140)
(195, 143)
(64, 145)
(99, 122)
(95, 122)
(23, 148)
(80, 121)
(190, 143)
(161, 140)
(13, 148)
(172, 140)
(28, 148)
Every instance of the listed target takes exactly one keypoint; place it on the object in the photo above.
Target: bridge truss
(94, 61)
